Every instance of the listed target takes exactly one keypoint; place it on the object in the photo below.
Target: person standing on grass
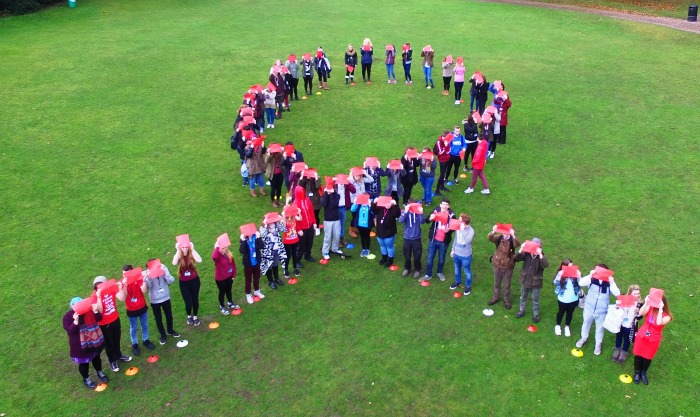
(358, 179)
(310, 182)
(566, 287)
(224, 274)
(446, 75)
(273, 253)
(601, 284)
(656, 316)
(186, 259)
(366, 60)
(394, 184)
(254, 151)
(293, 66)
(110, 325)
(442, 152)
(503, 261)
(471, 136)
(385, 215)
(457, 145)
(478, 165)
(307, 72)
(85, 340)
(345, 190)
(496, 134)
(290, 156)
(274, 170)
(459, 71)
(407, 59)
(389, 61)
(531, 279)
(270, 100)
(505, 106)
(306, 225)
(136, 309)
(159, 294)
(365, 221)
(331, 221)
(251, 254)
(428, 165)
(290, 238)
(482, 93)
(323, 68)
(461, 254)
(439, 238)
(428, 54)
(411, 165)
(350, 64)
(375, 186)
(625, 336)
(412, 217)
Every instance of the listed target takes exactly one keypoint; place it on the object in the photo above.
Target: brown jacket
(254, 160)
(428, 57)
(270, 165)
(504, 257)
(533, 268)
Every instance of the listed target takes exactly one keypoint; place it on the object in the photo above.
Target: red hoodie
(479, 158)
(307, 209)
(442, 149)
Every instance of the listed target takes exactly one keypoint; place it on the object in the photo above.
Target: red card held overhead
(477, 117)
(372, 162)
(249, 120)
(83, 306)
(395, 164)
(491, 110)
(246, 111)
(133, 275)
(427, 48)
(504, 228)
(498, 84)
(656, 296)
(249, 229)
(405, 47)
(486, 118)
(272, 217)
(357, 171)
(257, 87)
(310, 173)
(292, 58)
(412, 154)
(362, 199)
(329, 182)
(341, 179)
(602, 274)
(288, 150)
(271, 87)
(390, 47)
(569, 271)
(223, 241)
(366, 47)
(626, 300)
(384, 201)
(502, 95)
(460, 60)
(415, 208)
(455, 224)
(299, 166)
(442, 217)
(427, 155)
(183, 241)
(530, 247)
(306, 56)
(449, 59)
(154, 268)
(291, 210)
(275, 148)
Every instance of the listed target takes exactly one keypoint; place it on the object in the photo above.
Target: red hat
(183, 240)
(306, 56)
(531, 247)
(491, 110)
(427, 155)
(395, 164)
(299, 166)
(154, 268)
(249, 229)
(460, 60)
(477, 117)
(275, 148)
(442, 217)
(83, 306)
(329, 182)
(310, 173)
(504, 228)
(362, 199)
(455, 224)
(569, 271)
(486, 118)
(291, 210)
(626, 300)
(357, 171)
(133, 275)
(350, 68)
(223, 241)
(449, 59)
(655, 297)
(341, 179)
(602, 274)
(384, 201)
(372, 162)
(110, 286)
(292, 58)
(272, 217)
(412, 154)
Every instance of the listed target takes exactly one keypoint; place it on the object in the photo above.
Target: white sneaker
(488, 153)
(224, 311)
(441, 276)
(581, 342)
(567, 332)
(598, 349)
(259, 294)
(428, 87)
(456, 101)
(268, 183)
(326, 257)
(249, 298)
(388, 81)
(425, 278)
(493, 154)
(557, 330)
(469, 190)
(485, 191)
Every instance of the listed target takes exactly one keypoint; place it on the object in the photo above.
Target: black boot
(270, 281)
(389, 262)
(279, 282)
(383, 260)
(645, 381)
(637, 376)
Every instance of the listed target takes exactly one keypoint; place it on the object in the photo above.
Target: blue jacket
(411, 225)
(365, 217)
(366, 56)
(457, 144)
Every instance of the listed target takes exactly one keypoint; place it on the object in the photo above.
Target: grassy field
(115, 126)
(668, 8)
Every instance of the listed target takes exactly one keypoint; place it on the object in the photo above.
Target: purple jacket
(76, 351)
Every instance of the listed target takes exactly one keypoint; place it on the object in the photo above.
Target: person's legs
(441, 179)
(524, 292)
(256, 277)
(407, 252)
(473, 102)
(502, 136)
(457, 261)
(497, 279)
(143, 319)
(407, 190)
(432, 250)
(383, 247)
(327, 237)
(84, 369)
(343, 215)
(442, 252)
(456, 163)
(482, 177)
(335, 229)
(599, 329)
(228, 290)
(425, 75)
(428, 190)
(570, 309)
(364, 237)
(97, 363)
(195, 296)
(458, 90)
(248, 271)
(369, 72)
(157, 315)
(168, 310)
(430, 77)
(536, 302)
(508, 274)
(364, 72)
(221, 285)
(626, 336)
(560, 312)
(390, 246)
(467, 269)
(133, 328)
(587, 322)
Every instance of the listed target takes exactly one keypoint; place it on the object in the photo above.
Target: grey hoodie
(462, 245)
(159, 287)
(411, 225)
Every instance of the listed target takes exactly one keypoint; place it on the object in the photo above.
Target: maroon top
(76, 351)
(223, 267)
(187, 272)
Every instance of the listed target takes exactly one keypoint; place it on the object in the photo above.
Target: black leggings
(641, 364)
(273, 273)
(276, 186)
(471, 149)
(322, 76)
(367, 69)
(190, 294)
(407, 190)
(225, 288)
(293, 254)
(446, 83)
(306, 243)
(502, 138)
(293, 83)
(309, 84)
(350, 74)
(453, 163)
(458, 90)
(364, 237)
(494, 142)
(567, 308)
(112, 333)
(443, 175)
(167, 309)
(83, 368)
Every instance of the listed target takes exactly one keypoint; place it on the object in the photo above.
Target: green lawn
(115, 125)
(668, 8)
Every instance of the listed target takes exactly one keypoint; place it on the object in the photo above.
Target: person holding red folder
(110, 325)
(132, 294)
(85, 339)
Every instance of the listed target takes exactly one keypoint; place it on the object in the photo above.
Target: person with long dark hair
(656, 316)
(566, 288)
(186, 259)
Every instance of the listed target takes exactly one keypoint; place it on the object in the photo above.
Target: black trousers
(471, 150)
(190, 294)
(458, 90)
(567, 308)
(168, 311)
(407, 190)
(309, 84)
(367, 69)
(412, 248)
(364, 237)
(276, 186)
(502, 138)
(306, 243)
(225, 289)
(446, 83)
(113, 334)
(453, 163)
(84, 368)
(641, 364)
(293, 84)
(293, 254)
(441, 179)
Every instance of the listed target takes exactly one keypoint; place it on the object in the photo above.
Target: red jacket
(308, 219)
(223, 267)
(479, 158)
(442, 150)
(504, 112)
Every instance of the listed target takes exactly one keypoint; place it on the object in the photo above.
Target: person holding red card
(446, 75)
(389, 62)
(224, 272)
(290, 156)
(365, 221)
(459, 71)
(411, 165)
(630, 304)
(503, 260)
(290, 238)
(273, 252)
(350, 64)
(254, 151)
(307, 72)
(428, 54)
(158, 283)
(270, 96)
(374, 170)
(274, 170)
(110, 324)
(458, 145)
(186, 259)
(394, 184)
(85, 339)
(323, 68)
(471, 136)
(407, 59)
(251, 250)
(412, 217)
(601, 284)
(133, 293)
(306, 225)
(366, 60)
(566, 288)
(386, 212)
(656, 316)
(442, 153)
(478, 165)
(439, 237)
(293, 79)
(531, 276)
(461, 254)
(312, 184)
(331, 220)
(358, 178)
(428, 166)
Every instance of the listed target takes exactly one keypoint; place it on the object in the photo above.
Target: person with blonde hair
(625, 336)
(224, 274)
(366, 60)
(186, 259)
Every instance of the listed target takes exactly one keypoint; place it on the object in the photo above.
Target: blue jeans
(463, 263)
(390, 71)
(133, 327)
(472, 102)
(441, 249)
(386, 245)
(407, 71)
(260, 180)
(343, 212)
(427, 183)
(270, 116)
(428, 74)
